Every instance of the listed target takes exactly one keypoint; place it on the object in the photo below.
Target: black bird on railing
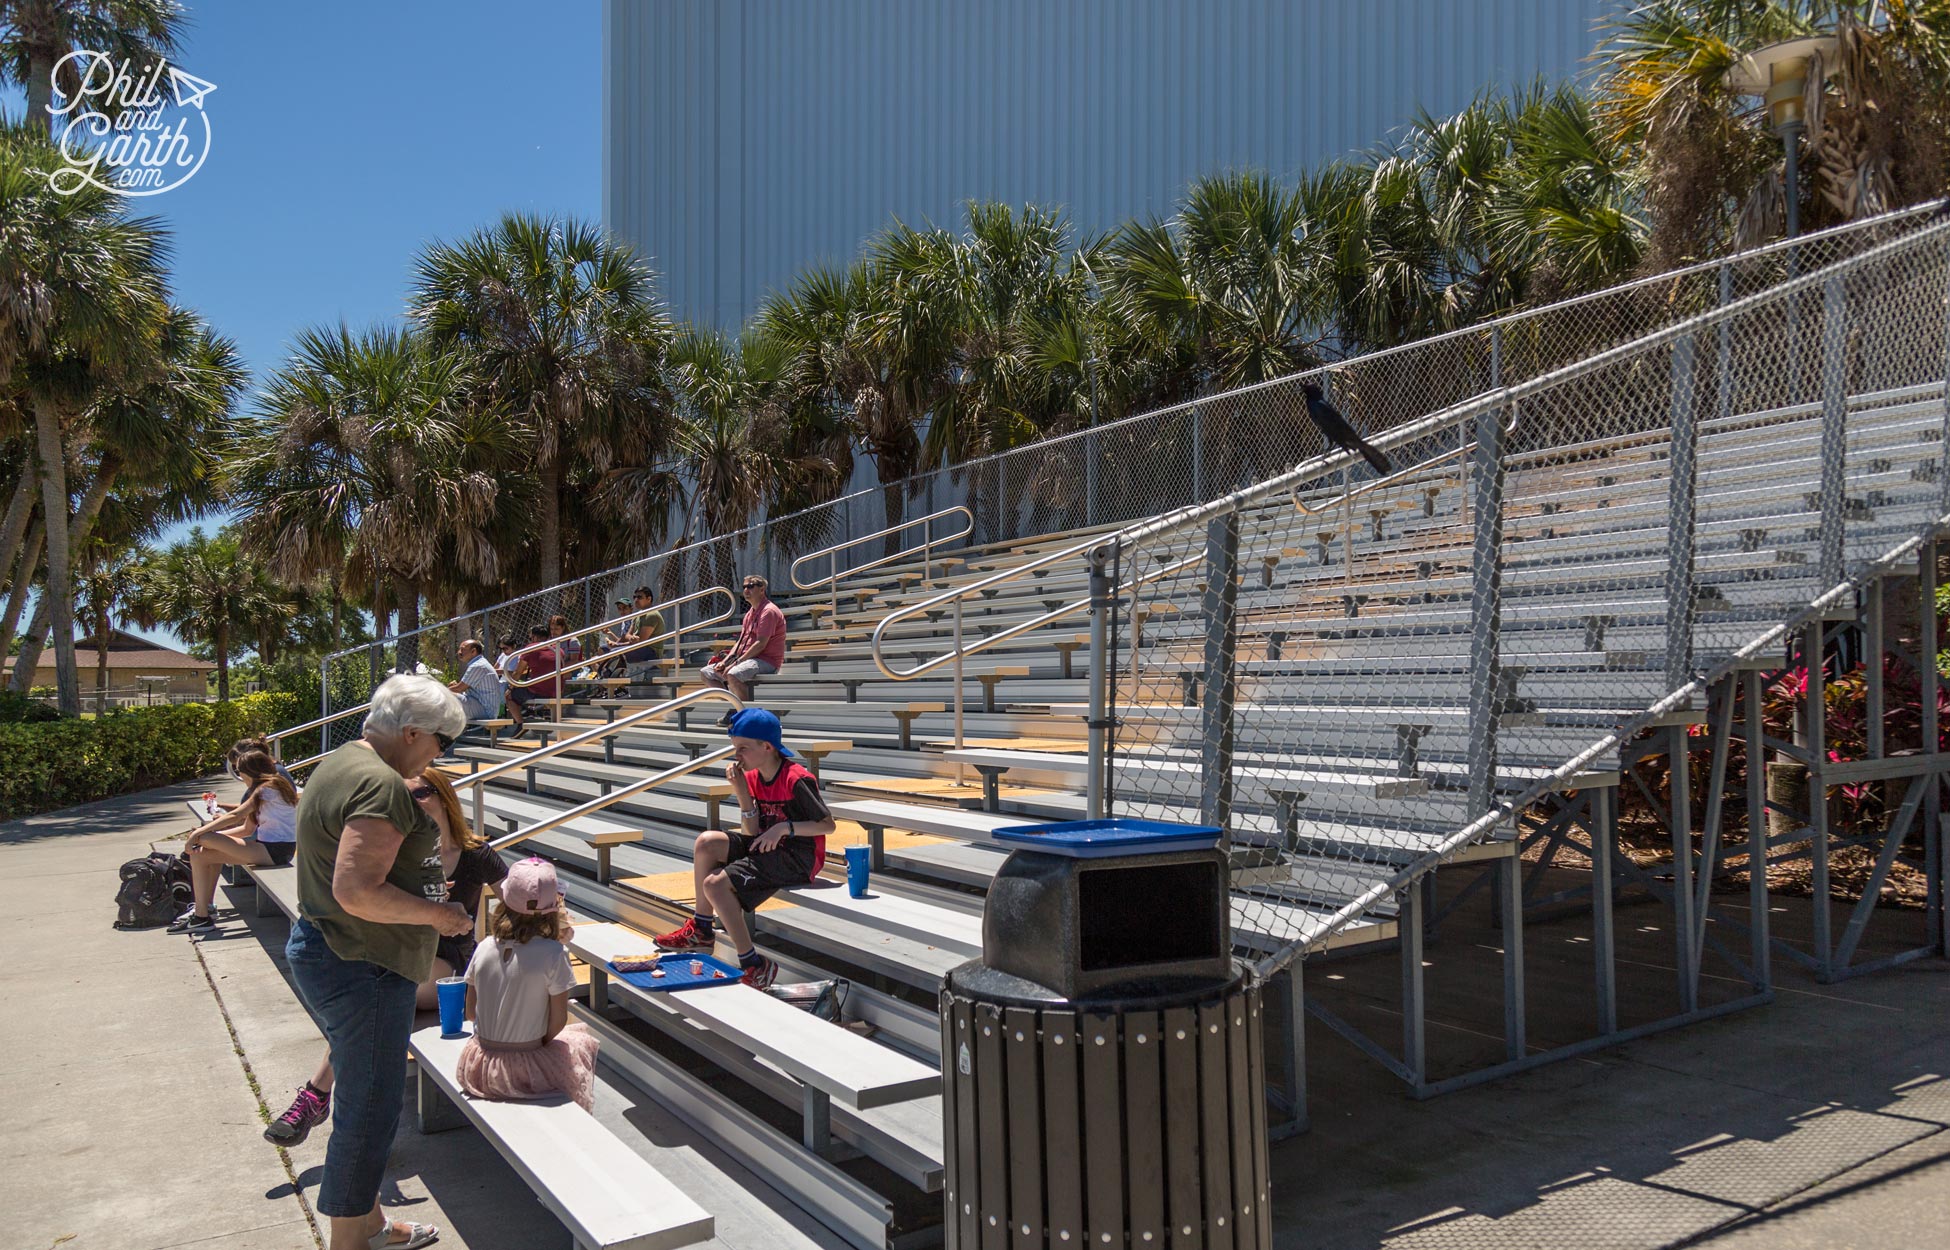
(1336, 430)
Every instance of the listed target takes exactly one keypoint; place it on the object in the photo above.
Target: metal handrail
(602, 801)
(275, 738)
(1519, 317)
(555, 643)
(597, 734)
(928, 540)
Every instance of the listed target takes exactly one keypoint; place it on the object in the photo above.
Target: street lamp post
(1778, 74)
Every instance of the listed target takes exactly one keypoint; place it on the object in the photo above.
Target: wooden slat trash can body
(1104, 1080)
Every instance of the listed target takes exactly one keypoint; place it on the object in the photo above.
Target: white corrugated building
(746, 140)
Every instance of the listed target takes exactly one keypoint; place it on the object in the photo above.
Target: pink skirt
(565, 1064)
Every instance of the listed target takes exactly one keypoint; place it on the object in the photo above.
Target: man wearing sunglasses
(760, 648)
(372, 906)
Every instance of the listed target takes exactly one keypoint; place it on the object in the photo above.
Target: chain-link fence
(1143, 465)
(1361, 671)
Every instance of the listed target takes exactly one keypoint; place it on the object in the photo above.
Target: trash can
(1104, 1079)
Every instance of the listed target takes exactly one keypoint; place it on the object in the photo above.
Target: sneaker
(308, 1110)
(760, 973)
(688, 938)
(724, 722)
(190, 922)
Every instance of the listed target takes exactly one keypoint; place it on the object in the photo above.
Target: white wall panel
(747, 140)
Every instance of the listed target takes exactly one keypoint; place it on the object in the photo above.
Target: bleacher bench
(605, 1194)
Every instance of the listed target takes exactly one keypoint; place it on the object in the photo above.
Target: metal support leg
(876, 847)
(1509, 880)
(1679, 821)
(1757, 904)
(1813, 712)
(437, 1112)
(1414, 1001)
(602, 865)
(598, 989)
(1293, 1024)
(817, 1110)
(1604, 835)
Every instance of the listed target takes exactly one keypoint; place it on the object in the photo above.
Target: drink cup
(857, 869)
(453, 1005)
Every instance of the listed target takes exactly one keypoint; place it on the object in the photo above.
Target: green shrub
(59, 764)
(15, 708)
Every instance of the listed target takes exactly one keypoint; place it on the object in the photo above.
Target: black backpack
(154, 891)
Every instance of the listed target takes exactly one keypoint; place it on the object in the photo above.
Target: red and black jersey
(791, 795)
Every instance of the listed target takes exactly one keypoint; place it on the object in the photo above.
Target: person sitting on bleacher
(569, 650)
(536, 668)
(783, 824)
(760, 648)
(479, 686)
(260, 831)
(632, 644)
(518, 986)
(610, 664)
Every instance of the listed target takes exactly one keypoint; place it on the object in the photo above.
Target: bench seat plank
(850, 1069)
(606, 1194)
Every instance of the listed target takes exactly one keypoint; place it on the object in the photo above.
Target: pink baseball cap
(530, 887)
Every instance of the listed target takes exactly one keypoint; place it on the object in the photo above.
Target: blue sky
(347, 136)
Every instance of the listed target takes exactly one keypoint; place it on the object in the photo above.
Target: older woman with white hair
(372, 903)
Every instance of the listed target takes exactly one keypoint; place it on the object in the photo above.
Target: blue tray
(678, 975)
(1094, 839)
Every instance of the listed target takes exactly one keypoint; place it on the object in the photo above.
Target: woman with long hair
(260, 831)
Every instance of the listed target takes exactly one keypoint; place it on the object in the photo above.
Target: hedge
(58, 764)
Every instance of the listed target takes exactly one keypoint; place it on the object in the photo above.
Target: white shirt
(511, 997)
(277, 820)
(480, 679)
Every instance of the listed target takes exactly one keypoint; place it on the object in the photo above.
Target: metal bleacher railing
(1143, 465)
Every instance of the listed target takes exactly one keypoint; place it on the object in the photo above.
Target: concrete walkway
(130, 1112)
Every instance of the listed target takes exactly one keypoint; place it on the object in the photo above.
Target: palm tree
(104, 588)
(81, 304)
(564, 326)
(154, 441)
(210, 592)
(36, 34)
(375, 458)
(1877, 115)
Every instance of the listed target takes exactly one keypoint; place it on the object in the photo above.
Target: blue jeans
(367, 1015)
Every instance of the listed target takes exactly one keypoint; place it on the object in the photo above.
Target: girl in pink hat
(518, 985)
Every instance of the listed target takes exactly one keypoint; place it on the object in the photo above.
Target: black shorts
(281, 852)
(457, 951)
(757, 875)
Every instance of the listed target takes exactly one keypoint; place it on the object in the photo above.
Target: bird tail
(1376, 458)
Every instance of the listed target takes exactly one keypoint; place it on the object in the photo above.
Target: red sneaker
(761, 974)
(688, 938)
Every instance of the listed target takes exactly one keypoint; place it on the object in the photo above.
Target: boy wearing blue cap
(783, 824)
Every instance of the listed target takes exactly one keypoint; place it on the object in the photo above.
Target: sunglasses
(446, 743)
(421, 791)
(753, 585)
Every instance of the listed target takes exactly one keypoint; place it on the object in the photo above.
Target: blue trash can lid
(1092, 839)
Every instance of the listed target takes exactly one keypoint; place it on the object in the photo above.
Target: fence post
(1485, 606)
(1100, 593)
(1092, 449)
(1726, 344)
(1680, 516)
(1198, 454)
(1834, 430)
(1221, 615)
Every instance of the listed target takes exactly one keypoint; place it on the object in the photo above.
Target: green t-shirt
(349, 784)
(649, 622)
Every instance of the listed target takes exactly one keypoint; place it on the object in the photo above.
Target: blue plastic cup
(453, 1005)
(857, 870)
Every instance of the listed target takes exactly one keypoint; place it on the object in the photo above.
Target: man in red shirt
(783, 824)
(760, 648)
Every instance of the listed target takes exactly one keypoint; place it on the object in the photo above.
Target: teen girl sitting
(260, 831)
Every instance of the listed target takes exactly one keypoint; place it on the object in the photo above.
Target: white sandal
(417, 1235)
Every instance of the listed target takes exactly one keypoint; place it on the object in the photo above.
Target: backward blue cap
(756, 722)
